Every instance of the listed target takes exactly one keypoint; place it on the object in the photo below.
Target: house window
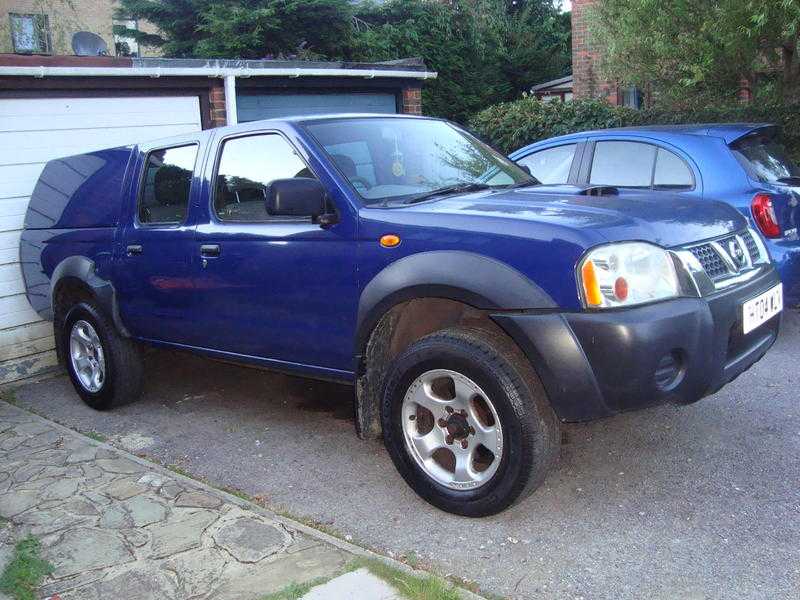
(632, 97)
(124, 45)
(30, 34)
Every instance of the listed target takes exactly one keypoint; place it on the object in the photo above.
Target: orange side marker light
(389, 240)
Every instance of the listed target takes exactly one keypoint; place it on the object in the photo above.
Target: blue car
(742, 164)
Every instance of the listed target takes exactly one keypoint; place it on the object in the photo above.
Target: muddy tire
(467, 422)
(104, 367)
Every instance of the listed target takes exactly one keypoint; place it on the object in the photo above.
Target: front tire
(467, 422)
(104, 367)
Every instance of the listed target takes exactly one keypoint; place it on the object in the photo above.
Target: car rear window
(765, 158)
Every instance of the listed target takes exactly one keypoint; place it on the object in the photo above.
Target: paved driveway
(672, 502)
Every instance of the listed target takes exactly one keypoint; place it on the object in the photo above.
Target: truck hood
(667, 221)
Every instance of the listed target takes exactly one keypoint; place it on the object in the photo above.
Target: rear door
(633, 165)
(153, 260)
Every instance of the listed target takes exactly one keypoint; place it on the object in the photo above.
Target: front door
(153, 267)
(272, 287)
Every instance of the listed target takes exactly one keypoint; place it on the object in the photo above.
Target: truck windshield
(395, 159)
(765, 158)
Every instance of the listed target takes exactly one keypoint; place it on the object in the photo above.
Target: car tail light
(764, 215)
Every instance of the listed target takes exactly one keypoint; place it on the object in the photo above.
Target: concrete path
(113, 525)
(356, 585)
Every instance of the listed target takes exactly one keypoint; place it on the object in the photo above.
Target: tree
(485, 51)
(688, 50)
(248, 29)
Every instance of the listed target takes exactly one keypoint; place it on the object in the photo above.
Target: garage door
(269, 106)
(33, 131)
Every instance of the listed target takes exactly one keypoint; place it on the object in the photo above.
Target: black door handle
(134, 249)
(209, 250)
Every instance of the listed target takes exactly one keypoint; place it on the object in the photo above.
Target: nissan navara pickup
(473, 309)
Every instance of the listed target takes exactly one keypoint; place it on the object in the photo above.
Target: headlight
(626, 274)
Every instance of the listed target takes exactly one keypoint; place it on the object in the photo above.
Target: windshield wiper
(793, 180)
(459, 188)
(521, 184)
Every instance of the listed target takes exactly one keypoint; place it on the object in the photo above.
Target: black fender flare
(473, 279)
(83, 269)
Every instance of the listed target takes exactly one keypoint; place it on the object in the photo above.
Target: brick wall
(412, 101)
(67, 17)
(588, 81)
(216, 100)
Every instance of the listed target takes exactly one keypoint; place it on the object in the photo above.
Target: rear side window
(166, 183)
(765, 159)
(671, 172)
(246, 167)
(551, 165)
(623, 164)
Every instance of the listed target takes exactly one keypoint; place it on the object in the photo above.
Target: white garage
(33, 131)
(56, 106)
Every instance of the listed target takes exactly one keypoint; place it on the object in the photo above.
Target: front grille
(712, 262)
(752, 247)
(715, 256)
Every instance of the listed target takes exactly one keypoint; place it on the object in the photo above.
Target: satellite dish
(86, 43)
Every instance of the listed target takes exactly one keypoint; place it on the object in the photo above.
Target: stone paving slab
(113, 525)
(356, 585)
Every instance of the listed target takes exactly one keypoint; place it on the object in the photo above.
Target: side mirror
(296, 197)
(525, 168)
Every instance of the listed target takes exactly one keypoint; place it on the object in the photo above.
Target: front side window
(399, 159)
(166, 183)
(30, 34)
(766, 158)
(247, 165)
(623, 164)
(551, 165)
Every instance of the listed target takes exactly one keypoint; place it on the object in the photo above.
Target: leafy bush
(511, 125)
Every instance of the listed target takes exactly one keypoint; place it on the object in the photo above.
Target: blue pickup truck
(472, 308)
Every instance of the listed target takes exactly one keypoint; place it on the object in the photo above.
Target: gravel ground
(672, 502)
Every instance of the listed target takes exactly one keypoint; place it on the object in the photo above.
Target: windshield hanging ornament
(398, 169)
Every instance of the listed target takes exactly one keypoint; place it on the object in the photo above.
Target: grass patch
(238, 493)
(409, 585)
(24, 573)
(411, 559)
(9, 396)
(181, 471)
(96, 436)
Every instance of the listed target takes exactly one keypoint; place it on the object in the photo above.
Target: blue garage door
(269, 106)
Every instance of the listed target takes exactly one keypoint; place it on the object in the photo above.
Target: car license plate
(762, 308)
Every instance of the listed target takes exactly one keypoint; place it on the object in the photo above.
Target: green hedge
(511, 125)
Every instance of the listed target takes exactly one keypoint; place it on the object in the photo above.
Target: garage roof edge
(159, 67)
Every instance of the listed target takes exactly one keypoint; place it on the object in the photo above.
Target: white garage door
(33, 131)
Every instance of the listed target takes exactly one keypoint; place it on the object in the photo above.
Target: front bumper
(595, 364)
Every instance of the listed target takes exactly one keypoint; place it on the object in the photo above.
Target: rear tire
(501, 447)
(104, 367)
